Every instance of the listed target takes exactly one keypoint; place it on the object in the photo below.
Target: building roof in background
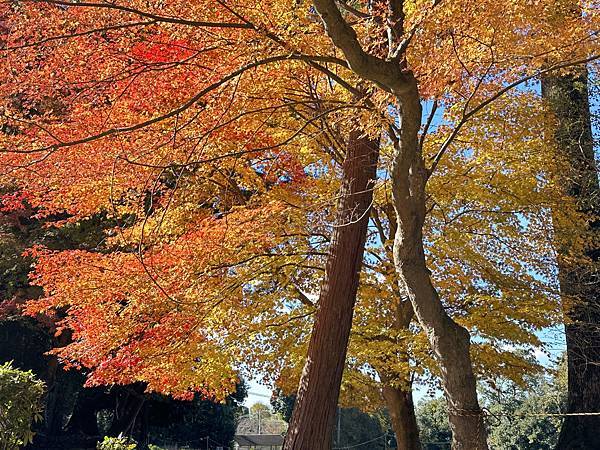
(265, 424)
(249, 440)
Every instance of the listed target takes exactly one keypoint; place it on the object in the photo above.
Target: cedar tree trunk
(579, 281)
(314, 413)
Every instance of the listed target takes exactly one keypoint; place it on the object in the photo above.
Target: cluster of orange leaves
(222, 193)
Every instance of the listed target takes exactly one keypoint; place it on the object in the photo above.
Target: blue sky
(257, 393)
(554, 337)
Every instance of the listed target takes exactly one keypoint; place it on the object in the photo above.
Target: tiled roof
(248, 440)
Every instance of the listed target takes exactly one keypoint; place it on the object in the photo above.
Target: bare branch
(361, 15)
(434, 108)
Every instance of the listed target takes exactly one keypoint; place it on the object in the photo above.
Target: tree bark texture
(397, 387)
(401, 408)
(314, 414)
(449, 341)
(567, 96)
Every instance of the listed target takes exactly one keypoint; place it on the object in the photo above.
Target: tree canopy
(215, 138)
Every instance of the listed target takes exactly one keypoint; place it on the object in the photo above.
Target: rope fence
(384, 436)
(484, 411)
(543, 414)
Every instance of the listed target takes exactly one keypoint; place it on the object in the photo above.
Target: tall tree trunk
(62, 390)
(400, 405)
(449, 341)
(397, 387)
(579, 281)
(313, 417)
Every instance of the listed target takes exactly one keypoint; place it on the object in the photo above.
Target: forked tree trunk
(128, 404)
(449, 341)
(579, 282)
(313, 417)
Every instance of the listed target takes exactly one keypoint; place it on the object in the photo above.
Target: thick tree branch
(388, 75)
(192, 101)
(149, 15)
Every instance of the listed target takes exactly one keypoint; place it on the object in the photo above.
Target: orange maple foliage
(211, 130)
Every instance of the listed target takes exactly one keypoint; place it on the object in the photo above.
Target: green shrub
(20, 406)
(117, 443)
